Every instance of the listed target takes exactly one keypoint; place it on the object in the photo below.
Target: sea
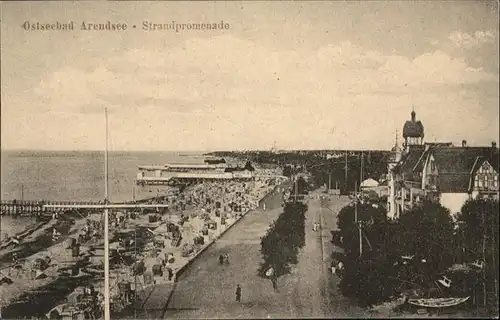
(75, 176)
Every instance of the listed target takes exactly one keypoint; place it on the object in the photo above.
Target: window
(480, 183)
(433, 166)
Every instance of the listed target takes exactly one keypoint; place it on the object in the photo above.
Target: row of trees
(416, 250)
(374, 165)
(334, 170)
(285, 237)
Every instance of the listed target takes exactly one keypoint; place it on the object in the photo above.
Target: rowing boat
(437, 302)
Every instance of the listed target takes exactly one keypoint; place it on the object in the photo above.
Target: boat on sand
(437, 302)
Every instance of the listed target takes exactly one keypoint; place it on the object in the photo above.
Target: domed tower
(396, 151)
(413, 131)
(395, 157)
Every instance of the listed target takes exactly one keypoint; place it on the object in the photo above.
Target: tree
(427, 233)
(397, 255)
(282, 242)
(371, 217)
(478, 238)
(366, 278)
(475, 220)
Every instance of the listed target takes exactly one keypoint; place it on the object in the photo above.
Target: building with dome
(438, 172)
(413, 132)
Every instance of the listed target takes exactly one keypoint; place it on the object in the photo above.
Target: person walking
(238, 293)
(221, 259)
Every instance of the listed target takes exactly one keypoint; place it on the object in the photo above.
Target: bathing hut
(152, 218)
(125, 288)
(199, 240)
(170, 273)
(72, 313)
(159, 243)
(75, 250)
(177, 237)
(187, 249)
(76, 296)
(212, 225)
(157, 270)
(40, 264)
(138, 268)
(148, 278)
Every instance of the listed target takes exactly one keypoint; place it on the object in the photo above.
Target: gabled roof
(477, 164)
(410, 160)
(419, 166)
(455, 165)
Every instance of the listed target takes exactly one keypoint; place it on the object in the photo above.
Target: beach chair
(157, 270)
(159, 243)
(445, 282)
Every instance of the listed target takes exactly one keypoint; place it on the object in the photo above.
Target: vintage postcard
(249, 159)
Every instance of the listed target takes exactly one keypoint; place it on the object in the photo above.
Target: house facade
(439, 172)
(453, 175)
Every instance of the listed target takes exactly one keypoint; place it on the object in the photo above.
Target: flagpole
(106, 206)
(106, 229)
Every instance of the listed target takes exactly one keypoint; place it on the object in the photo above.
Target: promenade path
(207, 289)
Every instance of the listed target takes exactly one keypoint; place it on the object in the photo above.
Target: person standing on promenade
(221, 259)
(238, 293)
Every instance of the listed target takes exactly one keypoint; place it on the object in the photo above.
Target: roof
(413, 129)
(369, 183)
(419, 166)
(409, 161)
(494, 158)
(455, 166)
(195, 165)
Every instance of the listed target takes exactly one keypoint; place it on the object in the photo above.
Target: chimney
(464, 143)
(493, 144)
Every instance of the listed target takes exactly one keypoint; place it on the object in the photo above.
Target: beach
(147, 248)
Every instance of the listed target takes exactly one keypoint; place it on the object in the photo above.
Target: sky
(294, 75)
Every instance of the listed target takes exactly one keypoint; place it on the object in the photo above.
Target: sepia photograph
(249, 159)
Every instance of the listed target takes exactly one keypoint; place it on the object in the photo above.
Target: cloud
(474, 40)
(225, 92)
(225, 70)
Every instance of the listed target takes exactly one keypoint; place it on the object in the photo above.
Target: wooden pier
(33, 208)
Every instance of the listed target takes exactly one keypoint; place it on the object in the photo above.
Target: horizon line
(187, 151)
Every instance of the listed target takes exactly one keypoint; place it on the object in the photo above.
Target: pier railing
(34, 207)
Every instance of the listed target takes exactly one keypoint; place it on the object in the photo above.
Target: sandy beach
(147, 248)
